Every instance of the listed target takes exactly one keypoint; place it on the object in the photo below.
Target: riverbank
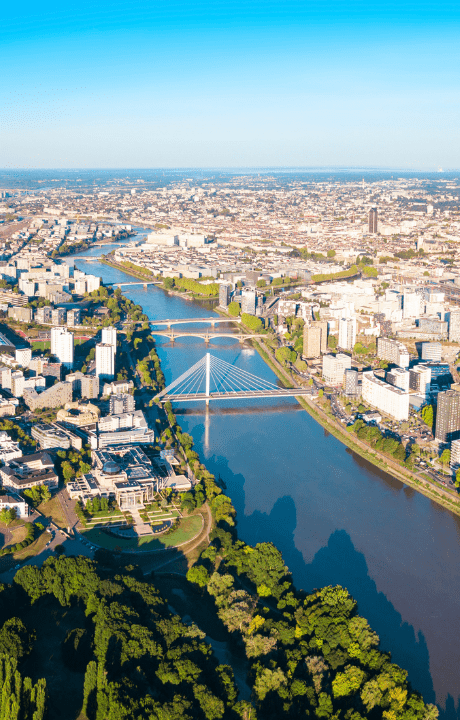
(379, 460)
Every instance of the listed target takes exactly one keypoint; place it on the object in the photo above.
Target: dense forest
(82, 639)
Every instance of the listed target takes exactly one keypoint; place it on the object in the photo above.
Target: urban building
(434, 326)
(12, 501)
(347, 333)
(29, 470)
(351, 385)
(59, 316)
(387, 398)
(62, 346)
(17, 383)
(432, 351)
(455, 455)
(248, 301)
(42, 315)
(109, 337)
(373, 220)
(412, 305)
(398, 377)
(117, 387)
(393, 351)
(55, 396)
(225, 294)
(74, 317)
(440, 372)
(105, 361)
(420, 380)
(448, 416)
(334, 367)
(122, 404)
(23, 356)
(79, 414)
(89, 386)
(454, 326)
(9, 450)
(311, 341)
(20, 314)
(50, 436)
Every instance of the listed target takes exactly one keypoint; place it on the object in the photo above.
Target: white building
(62, 345)
(393, 351)
(9, 450)
(105, 361)
(23, 356)
(432, 351)
(387, 398)
(109, 337)
(412, 305)
(347, 333)
(17, 383)
(334, 367)
(398, 377)
(420, 380)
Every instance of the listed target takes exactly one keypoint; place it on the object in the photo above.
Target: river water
(335, 518)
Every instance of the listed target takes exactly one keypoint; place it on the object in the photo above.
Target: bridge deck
(237, 395)
(183, 321)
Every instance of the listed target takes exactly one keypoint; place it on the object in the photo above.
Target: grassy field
(53, 510)
(185, 531)
(33, 549)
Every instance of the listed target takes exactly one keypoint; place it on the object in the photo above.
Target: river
(335, 517)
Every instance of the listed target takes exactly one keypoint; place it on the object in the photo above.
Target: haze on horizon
(230, 84)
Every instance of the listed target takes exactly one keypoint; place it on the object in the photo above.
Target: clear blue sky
(237, 83)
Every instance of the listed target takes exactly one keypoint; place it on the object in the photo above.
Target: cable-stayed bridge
(214, 379)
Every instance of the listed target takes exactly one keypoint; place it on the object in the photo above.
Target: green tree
(234, 309)
(445, 458)
(428, 415)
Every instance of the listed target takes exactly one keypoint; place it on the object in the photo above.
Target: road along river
(335, 517)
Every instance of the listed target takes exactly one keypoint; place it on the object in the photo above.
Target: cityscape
(229, 361)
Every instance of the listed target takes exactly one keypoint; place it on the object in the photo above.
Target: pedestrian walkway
(140, 527)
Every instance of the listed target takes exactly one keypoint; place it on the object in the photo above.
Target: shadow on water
(338, 562)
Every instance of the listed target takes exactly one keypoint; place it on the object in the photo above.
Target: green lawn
(186, 530)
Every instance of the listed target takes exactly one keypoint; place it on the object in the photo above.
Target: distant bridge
(214, 379)
(191, 321)
(205, 335)
(140, 282)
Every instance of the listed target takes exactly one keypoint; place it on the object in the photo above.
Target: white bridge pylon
(214, 379)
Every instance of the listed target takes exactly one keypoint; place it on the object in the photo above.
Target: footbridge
(129, 284)
(214, 379)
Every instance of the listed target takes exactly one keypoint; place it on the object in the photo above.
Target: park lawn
(188, 528)
(52, 509)
(18, 535)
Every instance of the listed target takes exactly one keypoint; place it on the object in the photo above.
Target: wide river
(335, 518)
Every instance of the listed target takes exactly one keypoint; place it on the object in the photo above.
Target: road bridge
(205, 335)
(191, 321)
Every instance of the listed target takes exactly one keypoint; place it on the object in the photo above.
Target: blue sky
(222, 84)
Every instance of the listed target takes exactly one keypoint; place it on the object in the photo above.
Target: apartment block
(387, 398)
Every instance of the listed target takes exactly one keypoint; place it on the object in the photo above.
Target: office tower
(347, 333)
(431, 351)
(454, 326)
(351, 383)
(23, 356)
(387, 398)
(393, 351)
(334, 367)
(412, 305)
(62, 346)
(322, 324)
(109, 337)
(448, 416)
(420, 379)
(121, 403)
(398, 378)
(373, 220)
(311, 341)
(248, 302)
(225, 292)
(105, 361)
